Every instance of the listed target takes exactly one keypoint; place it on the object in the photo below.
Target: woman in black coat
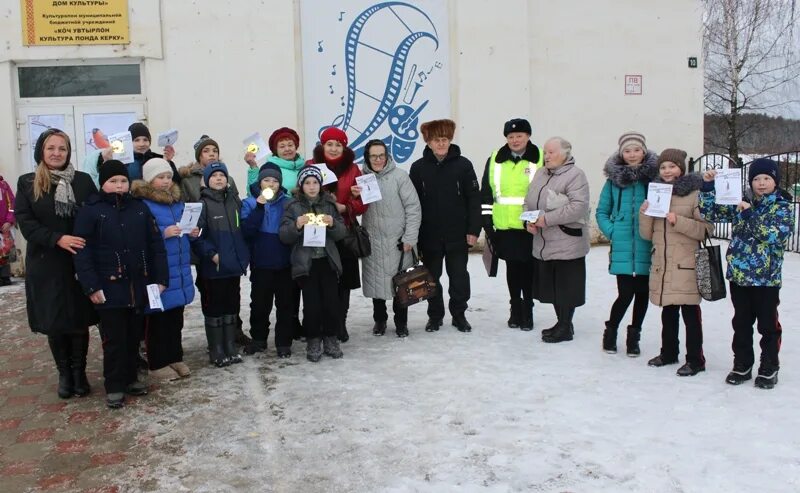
(46, 204)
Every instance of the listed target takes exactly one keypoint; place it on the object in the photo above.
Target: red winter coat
(6, 203)
(346, 172)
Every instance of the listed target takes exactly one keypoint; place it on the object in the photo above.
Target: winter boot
(80, 348)
(460, 322)
(255, 346)
(379, 328)
(739, 374)
(610, 338)
(549, 332)
(284, 351)
(215, 337)
(332, 349)
(229, 338)
(690, 369)
(767, 375)
(401, 330)
(632, 342)
(314, 349)
(515, 318)
(563, 329)
(526, 315)
(662, 360)
(433, 325)
(61, 349)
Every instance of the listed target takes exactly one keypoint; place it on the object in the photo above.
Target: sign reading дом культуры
(74, 22)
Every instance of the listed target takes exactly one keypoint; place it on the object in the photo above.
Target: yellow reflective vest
(509, 182)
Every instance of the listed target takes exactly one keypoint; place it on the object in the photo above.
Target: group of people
(105, 248)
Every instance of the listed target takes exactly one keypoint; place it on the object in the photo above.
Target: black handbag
(356, 243)
(414, 284)
(708, 266)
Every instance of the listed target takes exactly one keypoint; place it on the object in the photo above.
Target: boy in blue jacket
(124, 253)
(270, 267)
(761, 225)
(223, 260)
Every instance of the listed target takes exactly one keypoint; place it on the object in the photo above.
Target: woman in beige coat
(673, 280)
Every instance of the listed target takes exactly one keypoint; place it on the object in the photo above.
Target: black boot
(739, 374)
(460, 322)
(632, 342)
(515, 318)
(563, 329)
(379, 328)
(61, 349)
(610, 339)
(767, 374)
(215, 337)
(229, 338)
(433, 325)
(80, 348)
(526, 315)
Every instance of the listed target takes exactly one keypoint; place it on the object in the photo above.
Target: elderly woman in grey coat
(393, 225)
(560, 192)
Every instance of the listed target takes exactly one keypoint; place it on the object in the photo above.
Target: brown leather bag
(413, 284)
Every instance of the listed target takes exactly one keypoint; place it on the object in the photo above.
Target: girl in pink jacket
(6, 223)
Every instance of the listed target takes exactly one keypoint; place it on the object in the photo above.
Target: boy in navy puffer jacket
(270, 267)
(163, 327)
(223, 260)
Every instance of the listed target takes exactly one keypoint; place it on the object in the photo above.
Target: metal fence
(789, 165)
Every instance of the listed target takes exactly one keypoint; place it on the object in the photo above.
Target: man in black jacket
(451, 218)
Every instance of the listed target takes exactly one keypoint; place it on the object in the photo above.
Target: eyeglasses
(376, 157)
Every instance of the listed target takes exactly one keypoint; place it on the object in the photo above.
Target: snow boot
(379, 328)
(401, 330)
(460, 322)
(564, 329)
(314, 349)
(610, 339)
(515, 317)
(433, 325)
(61, 349)
(632, 342)
(662, 360)
(739, 374)
(255, 346)
(332, 349)
(690, 369)
(80, 348)
(215, 337)
(767, 375)
(526, 315)
(229, 339)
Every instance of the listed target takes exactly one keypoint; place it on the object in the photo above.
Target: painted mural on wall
(375, 70)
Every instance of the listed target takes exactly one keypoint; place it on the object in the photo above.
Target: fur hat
(333, 133)
(309, 172)
(38, 150)
(764, 166)
(270, 170)
(154, 167)
(212, 168)
(204, 141)
(676, 156)
(283, 133)
(139, 130)
(110, 168)
(438, 128)
(632, 137)
(517, 125)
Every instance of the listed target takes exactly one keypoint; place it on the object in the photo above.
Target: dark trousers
(200, 283)
(518, 278)
(379, 313)
(630, 288)
(268, 285)
(751, 304)
(693, 319)
(320, 300)
(344, 304)
(455, 261)
(120, 331)
(162, 334)
(220, 297)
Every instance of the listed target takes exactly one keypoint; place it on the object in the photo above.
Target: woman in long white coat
(393, 225)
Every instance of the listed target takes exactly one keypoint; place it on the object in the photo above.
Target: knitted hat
(154, 167)
(212, 168)
(111, 168)
(38, 150)
(764, 166)
(676, 156)
(204, 141)
(438, 128)
(139, 130)
(284, 133)
(309, 172)
(270, 170)
(517, 125)
(333, 133)
(632, 138)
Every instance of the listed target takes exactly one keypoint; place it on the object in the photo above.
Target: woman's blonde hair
(42, 179)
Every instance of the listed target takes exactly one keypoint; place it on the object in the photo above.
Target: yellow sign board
(74, 22)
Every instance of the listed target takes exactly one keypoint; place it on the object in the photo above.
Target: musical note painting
(384, 69)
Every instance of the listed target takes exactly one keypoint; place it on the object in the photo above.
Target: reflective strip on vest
(506, 209)
(510, 200)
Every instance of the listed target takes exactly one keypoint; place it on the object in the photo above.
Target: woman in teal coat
(629, 171)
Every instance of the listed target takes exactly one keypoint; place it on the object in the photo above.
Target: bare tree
(751, 54)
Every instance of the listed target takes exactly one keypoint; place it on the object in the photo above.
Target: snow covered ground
(496, 410)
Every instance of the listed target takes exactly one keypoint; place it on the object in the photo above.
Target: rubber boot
(610, 338)
(229, 330)
(215, 337)
(80, 348)
(515, 314)
(60, 347)
(632, 342)
(526, 315)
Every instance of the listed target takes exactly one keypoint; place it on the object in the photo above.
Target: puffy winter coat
(290, 235)
(289, 171)
(450, 199)
(221, 235)
(617, 213)
(562, 194)
(261, 225)
(55, 301)
(395, 218)
(167, 209)
(346, 172)
(6, 203)
(192, 182)
(673, 280)
(755, 253)
(124, 250)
